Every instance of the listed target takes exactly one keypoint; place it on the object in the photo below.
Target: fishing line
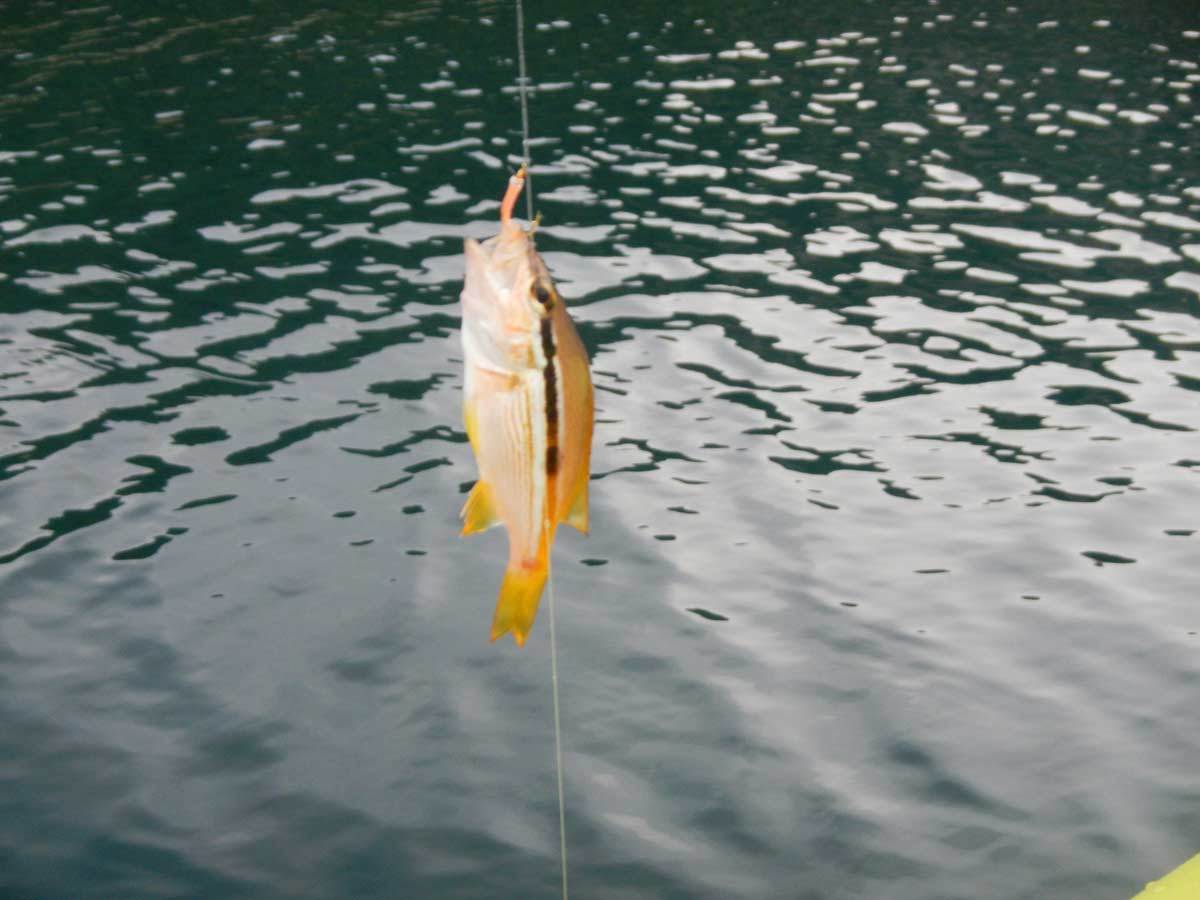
(558, 765)
(523, 85)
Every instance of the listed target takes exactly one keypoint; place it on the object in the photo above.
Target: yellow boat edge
(1178, 884)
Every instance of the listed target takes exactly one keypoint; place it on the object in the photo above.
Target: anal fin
(577, 515)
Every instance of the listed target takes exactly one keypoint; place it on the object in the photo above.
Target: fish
(528, 408)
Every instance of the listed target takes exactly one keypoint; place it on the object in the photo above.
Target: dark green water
(895, 319)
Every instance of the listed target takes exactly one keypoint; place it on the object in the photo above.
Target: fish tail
(517, 605)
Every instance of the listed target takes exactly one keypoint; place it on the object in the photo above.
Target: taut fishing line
(562, 817)
(558, 765)
(523, 86)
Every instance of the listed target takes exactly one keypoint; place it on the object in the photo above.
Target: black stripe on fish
(550, 376)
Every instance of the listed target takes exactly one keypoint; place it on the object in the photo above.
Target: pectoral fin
(479, 512)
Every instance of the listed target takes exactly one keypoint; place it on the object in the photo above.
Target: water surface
(893, 311)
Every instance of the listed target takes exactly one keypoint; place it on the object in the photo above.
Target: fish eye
(543, 295)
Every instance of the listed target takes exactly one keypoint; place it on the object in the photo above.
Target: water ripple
(895, 339)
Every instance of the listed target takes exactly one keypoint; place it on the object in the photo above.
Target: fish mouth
(511, 254)
(514, 267)
(507, 269)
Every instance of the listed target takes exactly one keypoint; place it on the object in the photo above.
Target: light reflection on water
(894, 329)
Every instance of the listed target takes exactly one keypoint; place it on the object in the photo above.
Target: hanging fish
(527, 402)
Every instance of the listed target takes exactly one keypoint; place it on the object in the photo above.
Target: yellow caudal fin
(479, 512)
(517, 605)
(577, 515)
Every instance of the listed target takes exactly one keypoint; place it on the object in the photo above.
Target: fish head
(507, 292)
